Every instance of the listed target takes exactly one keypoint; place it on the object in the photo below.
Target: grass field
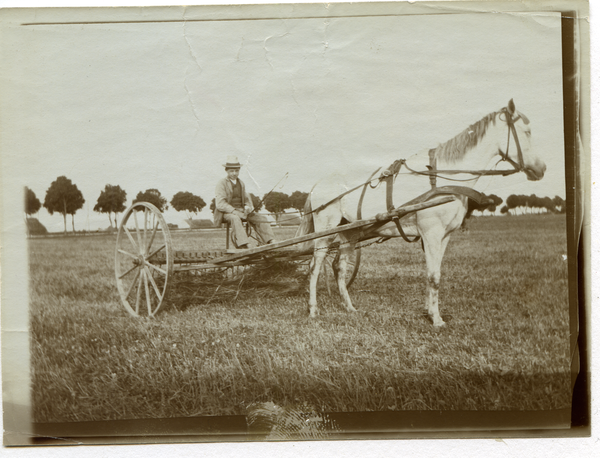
(505, 347)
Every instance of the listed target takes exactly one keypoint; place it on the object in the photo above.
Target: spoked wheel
(351, 270)
(143, 259)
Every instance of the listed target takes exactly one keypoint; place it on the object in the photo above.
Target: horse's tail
(307, 225)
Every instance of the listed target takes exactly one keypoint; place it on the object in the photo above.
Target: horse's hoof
(439, 325)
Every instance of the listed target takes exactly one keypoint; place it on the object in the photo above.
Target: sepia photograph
(293, 222)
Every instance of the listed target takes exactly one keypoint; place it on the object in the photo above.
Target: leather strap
(389, 192)
(403, 234)
(510, 121)
(432, 168)
(335, 199)
(445, 190)
(389, 175)
(362, 195)
(456, 172)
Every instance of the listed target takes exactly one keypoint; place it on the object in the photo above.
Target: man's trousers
(258, 222)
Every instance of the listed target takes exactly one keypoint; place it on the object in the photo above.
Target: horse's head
(517, 149)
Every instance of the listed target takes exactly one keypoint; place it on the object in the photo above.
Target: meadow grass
(505, 347)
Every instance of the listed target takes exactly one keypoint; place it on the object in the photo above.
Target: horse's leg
(434, 244)
(315, 267)
(340, 266)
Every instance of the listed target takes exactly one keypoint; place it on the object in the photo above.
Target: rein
(335, 199)
(269, 193)
(437, 173)
(389, 175)
(433, 172)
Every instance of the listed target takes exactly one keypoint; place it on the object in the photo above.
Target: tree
(277, 202)
(533, 202)
(154, 197)
(559, 204)
(512, 202)
(75, 204)
(298, 199)
(548, 205)
(488, 203)
(256, 202)
(111, 200)
(188, 202)
(496, 201)
(32, 203)
(65, 198)
(213, 205)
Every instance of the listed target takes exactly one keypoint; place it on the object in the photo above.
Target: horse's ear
(523, 117)
(511, 107)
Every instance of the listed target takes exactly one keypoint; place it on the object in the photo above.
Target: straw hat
(232, 163)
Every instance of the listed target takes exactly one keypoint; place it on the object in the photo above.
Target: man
(233, 204)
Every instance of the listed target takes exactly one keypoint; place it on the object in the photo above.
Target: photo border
(407, 424)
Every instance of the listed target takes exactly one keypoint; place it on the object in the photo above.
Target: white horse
(465, 158)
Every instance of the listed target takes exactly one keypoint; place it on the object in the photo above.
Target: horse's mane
(457, 147)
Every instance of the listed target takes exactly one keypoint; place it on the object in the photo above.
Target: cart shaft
(377, 221)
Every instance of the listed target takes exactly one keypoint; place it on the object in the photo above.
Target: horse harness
(389, 175)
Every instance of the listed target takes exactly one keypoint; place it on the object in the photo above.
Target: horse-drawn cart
(146, 260)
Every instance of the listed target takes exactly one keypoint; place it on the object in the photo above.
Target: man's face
(232, 174)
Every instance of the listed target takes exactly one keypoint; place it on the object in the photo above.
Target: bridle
(433, 172)
(390, 173)
(510, 121)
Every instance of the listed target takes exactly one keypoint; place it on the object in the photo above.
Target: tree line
(276, 202)
(516, 204)
(64, 197)
(533, 204)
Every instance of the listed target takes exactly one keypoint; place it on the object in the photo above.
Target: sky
(162, 105)
(528, 72)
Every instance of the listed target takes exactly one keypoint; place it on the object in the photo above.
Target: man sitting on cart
(234, 205)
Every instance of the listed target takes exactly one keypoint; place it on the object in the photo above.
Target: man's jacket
(223, 195)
